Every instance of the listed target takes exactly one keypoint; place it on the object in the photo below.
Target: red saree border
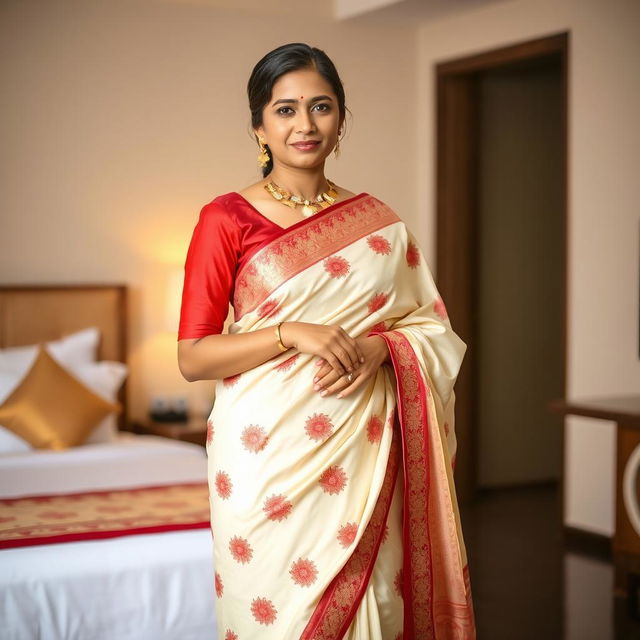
(338, 605)
(417, 563)
(301, 246)
(423, 618)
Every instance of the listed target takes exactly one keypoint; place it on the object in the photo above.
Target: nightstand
(194, 430)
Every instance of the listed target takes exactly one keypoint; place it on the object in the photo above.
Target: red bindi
(301, 97)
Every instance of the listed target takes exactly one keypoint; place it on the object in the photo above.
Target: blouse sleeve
(209, 273)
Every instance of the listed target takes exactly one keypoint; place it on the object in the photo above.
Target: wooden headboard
(37, 313)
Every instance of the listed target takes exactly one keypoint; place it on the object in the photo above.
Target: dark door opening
(501, 266)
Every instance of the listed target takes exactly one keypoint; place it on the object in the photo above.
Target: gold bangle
(280, 344)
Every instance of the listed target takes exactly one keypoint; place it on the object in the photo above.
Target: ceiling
(407, 12)
(390, 12)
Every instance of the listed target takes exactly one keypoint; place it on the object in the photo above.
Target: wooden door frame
(456, 219)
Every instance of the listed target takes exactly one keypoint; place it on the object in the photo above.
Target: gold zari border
(294, 251)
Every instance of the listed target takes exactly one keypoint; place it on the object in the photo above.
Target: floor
(526, 583)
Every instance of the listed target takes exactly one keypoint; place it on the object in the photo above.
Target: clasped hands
(339, 355)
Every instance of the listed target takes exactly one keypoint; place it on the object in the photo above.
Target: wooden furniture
(625, 412)
(194, 430)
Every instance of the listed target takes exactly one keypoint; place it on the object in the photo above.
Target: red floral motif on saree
(231, 380)
(230, 635)
(336, 266)
(377, 302)
(340, 601)
(269, 309)
(219, 585)
(318, 426)
(379, 244)
(223, 484)
(413, 255)
(333, 479)
(374, 429)
(277, 507)
(254, 438)
(240, 549)
(263, 610)
(303, 572)
(295, 250)
(287, 364)
(347, 534)
(440, 309)
(210, 431)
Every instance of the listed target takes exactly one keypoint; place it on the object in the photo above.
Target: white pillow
(72, 350)
(104, 377)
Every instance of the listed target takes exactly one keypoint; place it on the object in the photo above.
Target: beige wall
(120, 119)
(604, 195)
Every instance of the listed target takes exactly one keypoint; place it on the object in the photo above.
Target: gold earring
(337, 147)
(263, 156)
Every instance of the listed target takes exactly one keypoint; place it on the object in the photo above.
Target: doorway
(501, 262)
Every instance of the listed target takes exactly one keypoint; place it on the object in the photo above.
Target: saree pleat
(337, 517)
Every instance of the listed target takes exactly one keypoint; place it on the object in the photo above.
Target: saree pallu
(337, 517)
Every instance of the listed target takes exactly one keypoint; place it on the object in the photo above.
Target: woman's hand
(376, 353)
(331, 342)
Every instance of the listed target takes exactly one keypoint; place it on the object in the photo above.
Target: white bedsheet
(137, 587)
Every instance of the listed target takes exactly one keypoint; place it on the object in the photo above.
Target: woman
(331, 442)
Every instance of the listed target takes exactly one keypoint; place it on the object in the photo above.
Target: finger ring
(350, 377)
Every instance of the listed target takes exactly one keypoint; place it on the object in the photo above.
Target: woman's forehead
(302, 82)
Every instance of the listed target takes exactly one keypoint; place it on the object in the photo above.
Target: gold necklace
(322, 201)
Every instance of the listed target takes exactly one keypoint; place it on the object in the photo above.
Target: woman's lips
(305, 146)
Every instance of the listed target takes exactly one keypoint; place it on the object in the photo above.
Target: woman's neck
(299, 182)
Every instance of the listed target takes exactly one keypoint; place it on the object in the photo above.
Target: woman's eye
(285, 111)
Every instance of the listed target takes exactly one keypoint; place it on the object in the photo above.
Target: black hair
(285, 58)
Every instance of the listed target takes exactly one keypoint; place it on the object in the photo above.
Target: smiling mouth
(305, 145)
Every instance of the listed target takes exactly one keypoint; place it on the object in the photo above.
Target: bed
(149, 578)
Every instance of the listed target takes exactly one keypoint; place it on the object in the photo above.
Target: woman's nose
(305, 122)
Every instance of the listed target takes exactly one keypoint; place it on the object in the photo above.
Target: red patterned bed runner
(69, 517)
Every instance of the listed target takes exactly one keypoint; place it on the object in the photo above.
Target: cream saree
(337, 517)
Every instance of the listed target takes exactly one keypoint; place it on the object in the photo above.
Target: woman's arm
(219, 356)
(222, 355)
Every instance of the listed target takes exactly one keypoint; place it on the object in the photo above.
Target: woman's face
(302, 107)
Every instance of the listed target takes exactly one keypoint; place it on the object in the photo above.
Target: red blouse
(228, 232)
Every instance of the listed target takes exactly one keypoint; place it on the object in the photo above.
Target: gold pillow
(51, 409)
